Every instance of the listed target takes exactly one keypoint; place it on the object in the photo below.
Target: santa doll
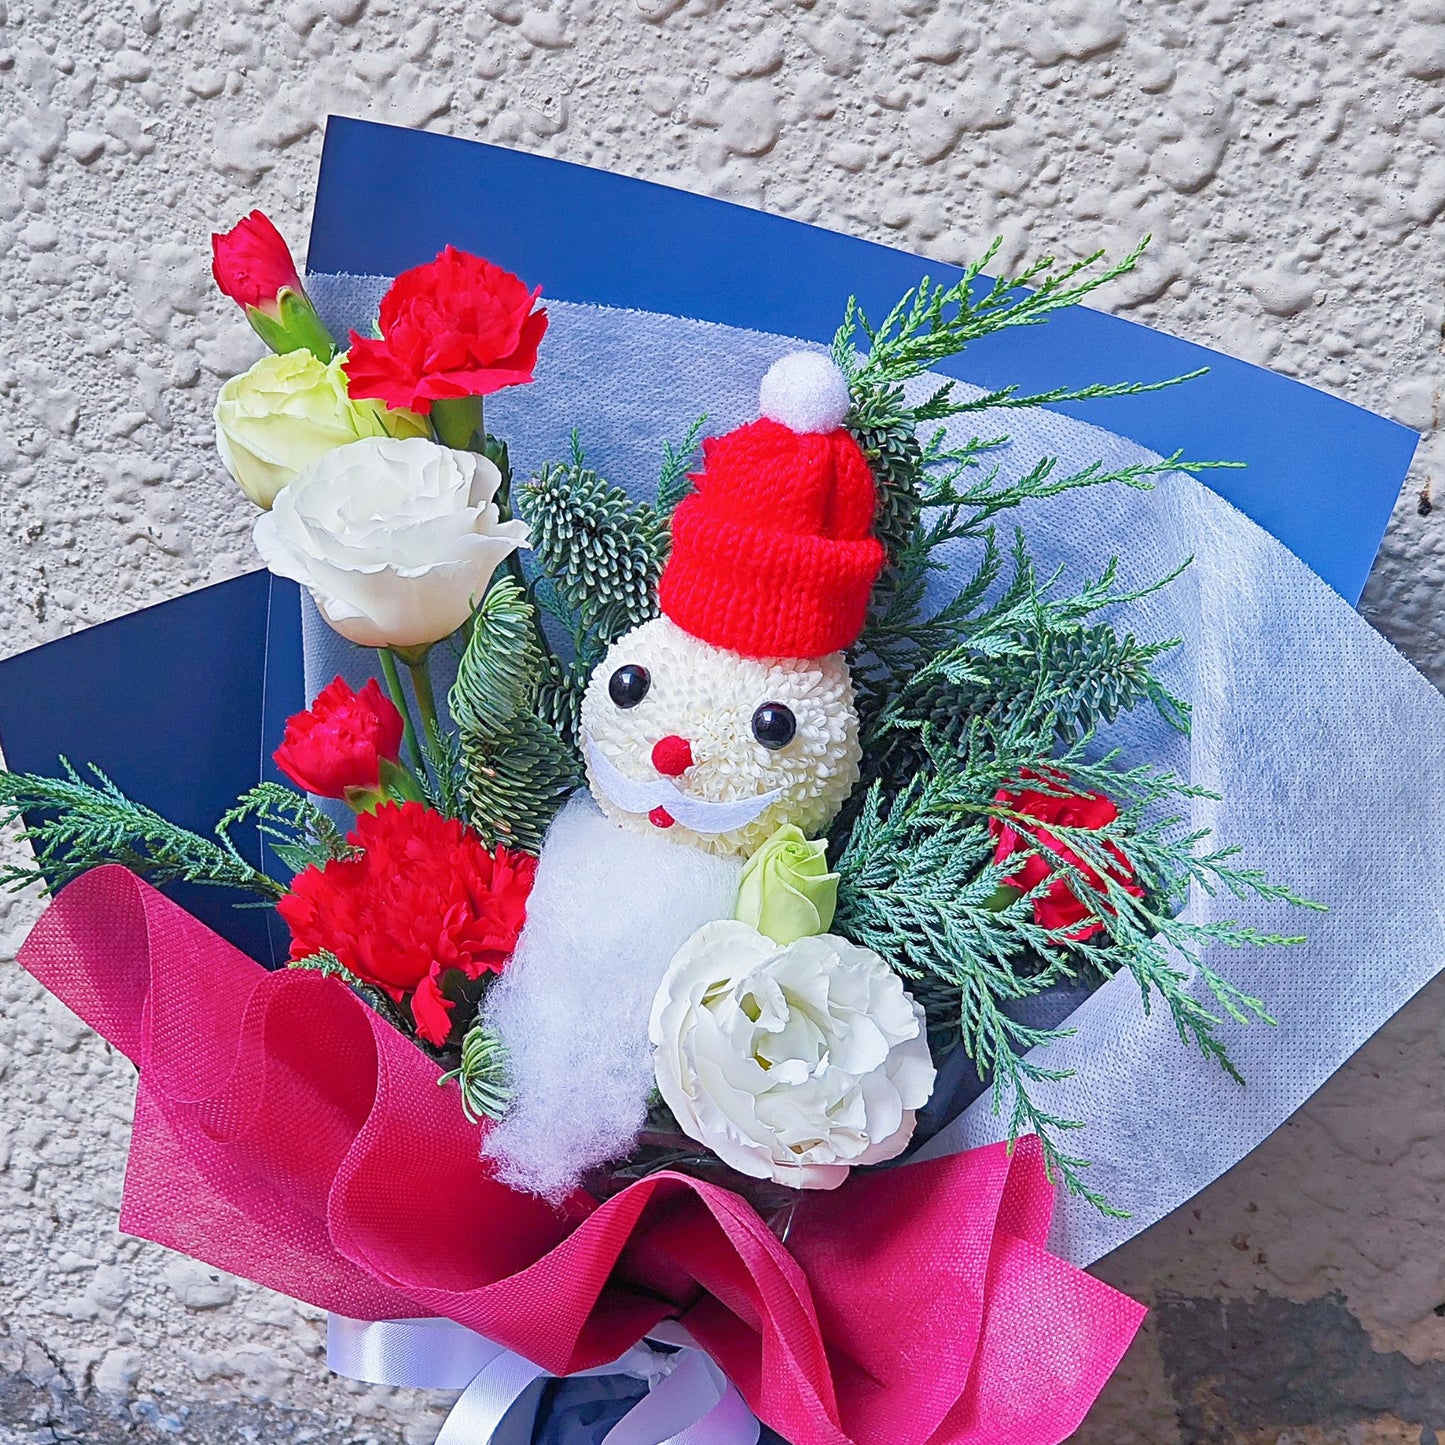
(704, 731)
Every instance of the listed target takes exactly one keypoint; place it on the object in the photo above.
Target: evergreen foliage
(444, 777)
(515, 770)
(74, 825)
(300, 834)
(329, 966)
(598, 556)
(482, 1074)
(673, 483)
(1009, 681)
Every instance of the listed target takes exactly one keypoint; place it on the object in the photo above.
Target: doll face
(713, 749)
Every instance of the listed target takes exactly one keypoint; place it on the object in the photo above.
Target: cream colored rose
(793, 1063)
(396, 540)
(274, 420)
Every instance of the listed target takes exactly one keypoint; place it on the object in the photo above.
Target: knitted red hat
(773, 554)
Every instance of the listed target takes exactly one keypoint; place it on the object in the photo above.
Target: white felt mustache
(701, 816)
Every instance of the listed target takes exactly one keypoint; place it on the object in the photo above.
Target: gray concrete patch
(40, 1405)
(1240, 1366)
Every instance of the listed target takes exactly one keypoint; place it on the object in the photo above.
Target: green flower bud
(290, 323)
(786, 890)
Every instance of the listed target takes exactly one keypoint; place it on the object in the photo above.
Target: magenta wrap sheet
(287, 1134)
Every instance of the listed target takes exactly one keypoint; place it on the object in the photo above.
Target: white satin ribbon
(689, 1401)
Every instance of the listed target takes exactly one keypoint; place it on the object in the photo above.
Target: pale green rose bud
(786, 890)
(287, 411)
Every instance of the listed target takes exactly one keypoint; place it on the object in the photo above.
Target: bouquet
(707, 853)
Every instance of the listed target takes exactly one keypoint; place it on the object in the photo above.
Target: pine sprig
(516, 770)
(482, 1074)
(598, 556)
(74, 825)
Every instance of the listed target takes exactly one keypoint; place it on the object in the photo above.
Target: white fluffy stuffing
(608, 911)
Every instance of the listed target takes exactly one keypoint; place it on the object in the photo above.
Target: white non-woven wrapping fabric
(1328, 749)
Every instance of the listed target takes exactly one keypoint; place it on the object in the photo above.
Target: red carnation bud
(252, 264)
(1058, 907)
(422, 897)
(458, 327)
(340, 741)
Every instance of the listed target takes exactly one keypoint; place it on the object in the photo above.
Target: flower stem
(426, 701)
(398, 696)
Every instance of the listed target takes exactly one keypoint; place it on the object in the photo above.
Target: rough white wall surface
(1287, 157)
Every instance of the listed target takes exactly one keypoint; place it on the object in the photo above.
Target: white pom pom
(805, 392)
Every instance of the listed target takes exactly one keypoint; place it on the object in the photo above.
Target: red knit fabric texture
(773, 555)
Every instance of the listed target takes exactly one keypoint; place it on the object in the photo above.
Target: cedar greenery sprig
(300, 834)
(443, 780)
(918, 884)
(328, 965)
(933, 322)
(673, 482)
(74, 825)
(1005, 683)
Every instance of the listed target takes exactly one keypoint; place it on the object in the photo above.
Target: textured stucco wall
(1285, 154)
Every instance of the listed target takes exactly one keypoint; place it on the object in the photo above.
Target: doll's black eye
(774, 726)
(628, 685)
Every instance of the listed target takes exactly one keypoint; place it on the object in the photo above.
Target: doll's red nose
(672, 755)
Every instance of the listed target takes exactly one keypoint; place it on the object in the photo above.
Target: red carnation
(1058, 906)
(251, 263)
(422, 897)
(457, 327)
(340, 741)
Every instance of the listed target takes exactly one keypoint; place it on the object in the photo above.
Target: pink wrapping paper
(285, 1133)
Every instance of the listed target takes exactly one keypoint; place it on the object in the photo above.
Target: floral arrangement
(728, 833)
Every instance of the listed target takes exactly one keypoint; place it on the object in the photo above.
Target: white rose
(792, 1063)
(396, 540)
(286, 411)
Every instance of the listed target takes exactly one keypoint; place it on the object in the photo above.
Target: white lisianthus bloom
(396, 540)
(793, 1063)
(286, 411)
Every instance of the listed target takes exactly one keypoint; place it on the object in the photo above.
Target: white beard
(607, 912)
